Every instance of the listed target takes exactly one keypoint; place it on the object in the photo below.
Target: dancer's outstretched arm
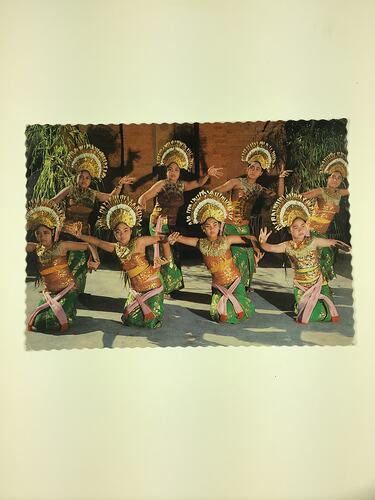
(126, 179)
(151, 193)
(61, 195)
(211, 172)
(185, 240)
(283, 173)
(228, 185)
(263, 237)
(326, 242)
(104, 245)
(246, 240)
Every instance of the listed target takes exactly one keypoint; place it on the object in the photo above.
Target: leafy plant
(308, 143)
(47, 147)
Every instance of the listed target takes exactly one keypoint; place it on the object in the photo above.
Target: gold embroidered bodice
(327, 206)
(168, 201)
(305, 261)
(243, 200)
(79, 205)
(218, 259)
(53, 267)
(142, 275)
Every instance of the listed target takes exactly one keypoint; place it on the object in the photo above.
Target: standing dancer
(145, 303)
(328, 205)
(229, 302)
(87, 163)
(313, 299)
(57, 310)
(169, 194)
(259, 157)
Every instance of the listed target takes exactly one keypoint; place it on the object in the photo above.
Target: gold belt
(53, 269)
(221, 266)
(137, 270)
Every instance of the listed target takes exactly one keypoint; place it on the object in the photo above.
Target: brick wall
(221, 145)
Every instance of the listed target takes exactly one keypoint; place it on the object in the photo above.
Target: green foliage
(308, 143)
(47, 147)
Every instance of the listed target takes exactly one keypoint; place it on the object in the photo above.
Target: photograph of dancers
(224, 233)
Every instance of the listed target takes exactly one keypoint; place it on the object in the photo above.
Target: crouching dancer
(229, 302)
(144, 305)
(313, 299)
(58, 308)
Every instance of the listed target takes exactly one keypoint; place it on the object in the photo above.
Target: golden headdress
(87, 158)
(289, 207)
(335, 162)
(208, 204)
(44, 213)
(119, 209)
(261, 152)
(176, 152)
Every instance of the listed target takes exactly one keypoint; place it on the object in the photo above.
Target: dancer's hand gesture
(283, 172)
(74, 229)
(343, 246)
(161, 261)
(258, 255)
(215, 172)
(172, 238)
(126, 179)
(264, 235)
(93, 265)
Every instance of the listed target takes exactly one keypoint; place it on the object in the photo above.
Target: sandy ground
(187, 321)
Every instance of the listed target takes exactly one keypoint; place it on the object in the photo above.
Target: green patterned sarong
(171, 273)
(240, 294)
(136, 317)
(327, 258)
(46, 320)
(77, 261)
(243, 256)
(321, 311)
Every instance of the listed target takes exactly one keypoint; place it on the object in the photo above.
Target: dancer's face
(211, 228)
(334, 180)
(254, 170)
(173, 172)
(43, 235)
(298, 229)
(122, 233)
(84, 179)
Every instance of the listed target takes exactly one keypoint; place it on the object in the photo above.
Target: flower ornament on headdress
(44, 213)
(176, 152)
(290, 207)
(87, 158)
(208, 204)
(335, 162)
(119, 209)
(261, 152)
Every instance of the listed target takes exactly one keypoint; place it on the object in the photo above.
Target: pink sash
(159, 224)
(53, 303)
(228, 294)
(140, 301)
(309, 300)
